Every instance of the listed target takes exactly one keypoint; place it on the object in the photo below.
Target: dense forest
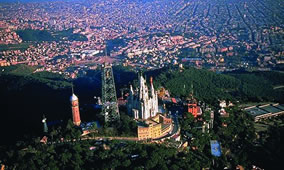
(239, 146)
(209, 86)
(26, 96)
(98, 154)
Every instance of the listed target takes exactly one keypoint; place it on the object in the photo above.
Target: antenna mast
(109, 99)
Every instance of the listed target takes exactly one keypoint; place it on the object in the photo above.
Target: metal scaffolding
(109, 100)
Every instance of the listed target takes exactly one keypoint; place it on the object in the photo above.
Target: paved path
(110, 138)
(278, 87)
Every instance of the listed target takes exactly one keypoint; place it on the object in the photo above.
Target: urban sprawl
(219, 35)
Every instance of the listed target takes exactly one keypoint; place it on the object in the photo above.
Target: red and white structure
(75, 110)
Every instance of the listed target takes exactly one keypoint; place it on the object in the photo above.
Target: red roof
(174, 100)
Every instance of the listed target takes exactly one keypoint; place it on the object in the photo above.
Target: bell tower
(75, 109)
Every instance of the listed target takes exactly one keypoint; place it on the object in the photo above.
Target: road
(175, 112)
(278, 87)
(110, 138)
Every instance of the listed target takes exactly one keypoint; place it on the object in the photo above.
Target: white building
(142, 103)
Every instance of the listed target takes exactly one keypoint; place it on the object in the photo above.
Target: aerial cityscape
(142, 84)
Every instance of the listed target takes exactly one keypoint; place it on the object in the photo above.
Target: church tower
(75, 110)
(142, 103)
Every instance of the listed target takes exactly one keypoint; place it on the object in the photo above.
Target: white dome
(73, 97)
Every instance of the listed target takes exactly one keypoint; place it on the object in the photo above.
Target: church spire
(152, 87)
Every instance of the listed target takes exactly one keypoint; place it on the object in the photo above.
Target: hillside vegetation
(22, 75)
(35, 35)
(26, 96)
(209, 86)
(39, 35)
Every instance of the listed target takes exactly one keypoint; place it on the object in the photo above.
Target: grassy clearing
(21, 46)
(264, 124)
(19, 69)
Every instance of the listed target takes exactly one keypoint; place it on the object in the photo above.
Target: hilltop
(26, 95)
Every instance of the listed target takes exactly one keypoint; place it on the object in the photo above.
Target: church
(142, 103)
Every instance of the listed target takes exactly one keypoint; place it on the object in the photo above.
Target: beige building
(154, 127)
(4, 63)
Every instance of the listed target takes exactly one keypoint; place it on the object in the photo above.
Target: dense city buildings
(67, 38)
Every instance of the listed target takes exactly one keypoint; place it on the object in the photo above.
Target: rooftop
(265, 109)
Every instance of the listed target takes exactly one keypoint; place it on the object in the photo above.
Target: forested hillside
(210, 86)
(26, 96)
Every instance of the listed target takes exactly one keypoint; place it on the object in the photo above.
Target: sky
(25, 0)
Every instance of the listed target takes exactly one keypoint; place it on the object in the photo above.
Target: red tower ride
(75, 110)
(192, 108)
